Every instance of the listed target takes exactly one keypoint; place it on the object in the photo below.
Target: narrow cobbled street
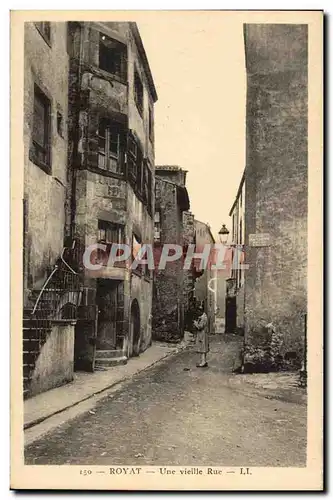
(175, 414)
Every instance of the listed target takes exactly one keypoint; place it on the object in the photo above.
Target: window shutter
(149, 201)
(139, 171)
(131, 157)
(120, 315)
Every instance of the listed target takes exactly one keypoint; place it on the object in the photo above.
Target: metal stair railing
(60, 288)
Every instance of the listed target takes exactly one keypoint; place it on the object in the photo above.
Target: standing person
(202, 343)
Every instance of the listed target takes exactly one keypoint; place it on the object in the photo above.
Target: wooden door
(85, 338)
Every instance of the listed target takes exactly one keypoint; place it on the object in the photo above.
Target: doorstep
(85, 385)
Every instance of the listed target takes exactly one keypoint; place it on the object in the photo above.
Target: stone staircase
(44, 306)
(35, 333)
(107, 358)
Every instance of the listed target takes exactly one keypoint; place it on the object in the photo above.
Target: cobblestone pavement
(176, 414)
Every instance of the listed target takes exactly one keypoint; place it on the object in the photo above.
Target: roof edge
(208, 227)
(142, 52)
(238, 192)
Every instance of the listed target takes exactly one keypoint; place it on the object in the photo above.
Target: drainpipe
(76, 138)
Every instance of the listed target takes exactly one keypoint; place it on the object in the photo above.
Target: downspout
(76, 133)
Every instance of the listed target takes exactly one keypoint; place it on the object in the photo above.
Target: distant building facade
(171, 201)
(235, 289)
(189, 275)
(206, 279)
(276, 184)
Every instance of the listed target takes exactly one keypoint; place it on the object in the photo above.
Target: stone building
(48, 322)
(178, 287)
(189, 275)
(235, 284)
(206, 279)
(171, 201)
(88, 179)
(276, 185)
(111, 160)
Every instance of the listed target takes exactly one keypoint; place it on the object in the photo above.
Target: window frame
(109, 226)
(138, 96)
(148, 186)
(60, 124)
(151, 124)
(111, 128)
(158, 240)
(121, 50)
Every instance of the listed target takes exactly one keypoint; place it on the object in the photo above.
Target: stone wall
(55, 364)
(44, 192)
(189, 278)
(168, 284)
(276, 193)
(206, 284)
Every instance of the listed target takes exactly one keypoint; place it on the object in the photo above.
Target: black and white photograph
(170, 327)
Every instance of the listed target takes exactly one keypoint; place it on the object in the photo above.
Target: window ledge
(46, 40)
(46, 168)
(106, 173)
(105, 75)
(138, 108)
(64, 322)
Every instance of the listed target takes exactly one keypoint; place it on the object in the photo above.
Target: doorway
(134, 344)
(231, 315)
(110, 303)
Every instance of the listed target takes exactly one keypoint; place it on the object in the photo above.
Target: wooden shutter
(131, 157)
(120, 315)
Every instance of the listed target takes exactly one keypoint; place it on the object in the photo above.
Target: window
(140, 178)
(41, 133)
(150, 188)
(136, 246)
(110, 146)
(145, 193)
(109, 233)
(132, 155)
(113, 57)
(44, 29)
(138, 92)
(135, 163)
(147, 187)
(151, 124)
(157, 227)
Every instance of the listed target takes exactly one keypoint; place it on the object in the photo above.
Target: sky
(197, 62)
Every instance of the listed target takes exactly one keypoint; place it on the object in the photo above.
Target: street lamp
(223, 234)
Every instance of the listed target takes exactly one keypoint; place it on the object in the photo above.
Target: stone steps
(105, 358)
(108, 353)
